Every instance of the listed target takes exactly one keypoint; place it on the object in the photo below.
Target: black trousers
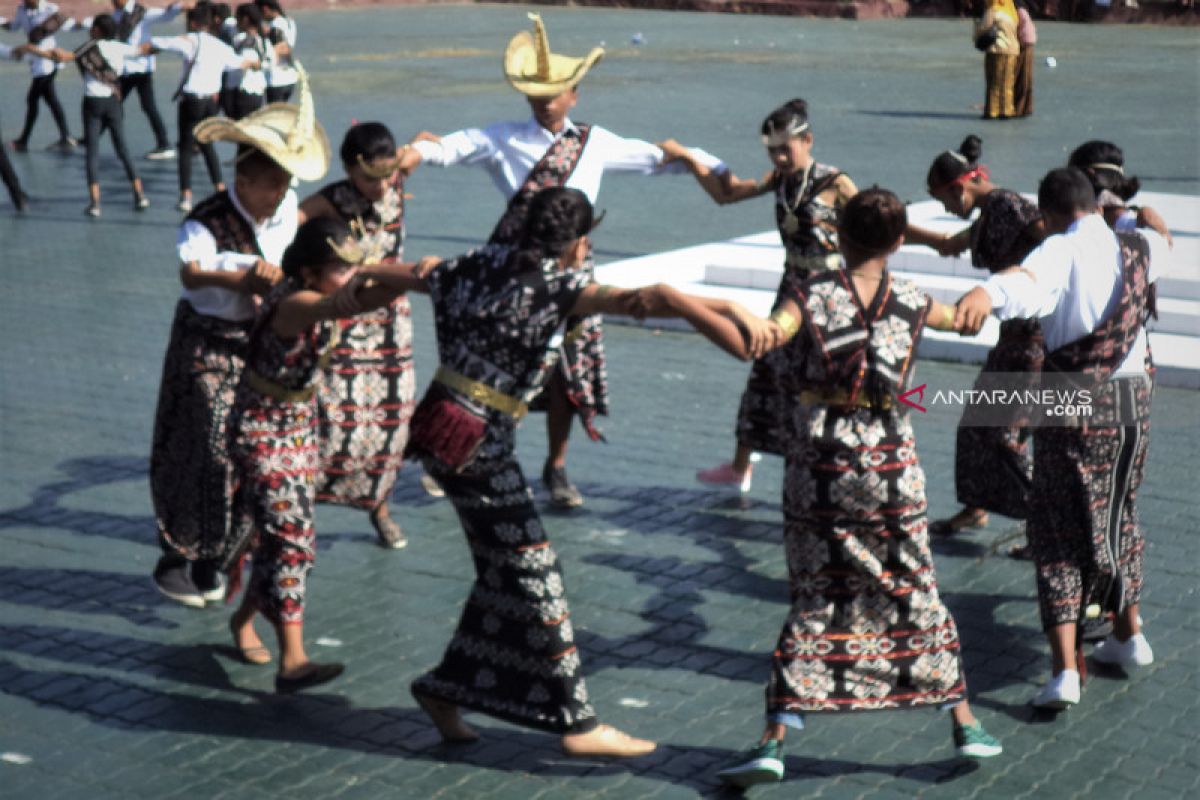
(9, 177)
(143, 84)
(193, 109)
(279, 94)
(239, 103)
(42, 88)
(101, 114)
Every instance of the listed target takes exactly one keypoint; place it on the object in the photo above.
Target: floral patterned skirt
(513, 655)
(867, 628)
(366, 400)
(190, 467)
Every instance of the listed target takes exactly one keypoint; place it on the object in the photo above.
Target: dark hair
(311, 248)
(105, 26)
(249, 11)
(950, 165)
(794, 111)
(253, 163)
(1089, 155)
(557, 216)
(200, 15)
(271, 4)
(873, 220)
(1065, 191)
(370, 140)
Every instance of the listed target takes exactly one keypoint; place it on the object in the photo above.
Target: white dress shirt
(1076, 286)
(509, 150)
(250, 81)
(25, 20)
(141, 32)
(209, 57)
(117, 54)
(282, 73)
(196, 243)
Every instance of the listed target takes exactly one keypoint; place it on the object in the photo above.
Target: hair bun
(971, 148)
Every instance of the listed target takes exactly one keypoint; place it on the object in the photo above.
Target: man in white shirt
(39, 21)
(19, 199)
(206, 59)
(281, 76)
(133, 27)
(550, 149)
(101, 60)
(229, 248)
(1092, 290)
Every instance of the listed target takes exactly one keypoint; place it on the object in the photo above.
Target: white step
(748, 269)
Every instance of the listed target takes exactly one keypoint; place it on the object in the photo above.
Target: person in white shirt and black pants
(19, 199)
(101, 60)
(133, 27)
(281, 77)
(39, 21)
(206, 58)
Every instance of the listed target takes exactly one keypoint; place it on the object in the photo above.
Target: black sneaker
(171, 578)
(209, 581)
(563, 493)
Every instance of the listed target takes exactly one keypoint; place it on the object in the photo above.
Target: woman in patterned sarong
(808, 198)
(993, 466)
(366, 395)
(274, 436)
(867, 628)
(513, 654)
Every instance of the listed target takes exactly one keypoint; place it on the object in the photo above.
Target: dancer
(366, 397)
(513, 654)
(992, 466)
(205, 58)
(867, 628)
(274, 435)
(133, 27)
(101, 61)
(39, 21)
(1104, 165)
(20, 200)
(244, 90)
(229, 249)
(281, 75)
(1023, 80)
(809, 197)
(1093, 290)
(550, 150)
(996, 35)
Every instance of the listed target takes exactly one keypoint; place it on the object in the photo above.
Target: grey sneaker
(760, 764)
(141, 203)
(972, 741)
(563, 493)
(173, 581)
(92, 210)
(161, 154)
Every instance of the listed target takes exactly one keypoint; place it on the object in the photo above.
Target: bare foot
(247, 643)
(446, 719)
(605, 740)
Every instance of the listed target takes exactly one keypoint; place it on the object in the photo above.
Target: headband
(349, 251)
(1117, 168)
(778, 138)
(979, 171)
(385, 170)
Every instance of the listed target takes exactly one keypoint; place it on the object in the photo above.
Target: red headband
(978, 171)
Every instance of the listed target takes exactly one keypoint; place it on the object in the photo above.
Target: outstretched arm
(946, 244)
(723, 187)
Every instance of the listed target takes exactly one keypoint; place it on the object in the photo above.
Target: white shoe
(1061, 691)
(1134, 652)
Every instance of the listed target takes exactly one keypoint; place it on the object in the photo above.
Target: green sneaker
(760, 764)
(972, 741)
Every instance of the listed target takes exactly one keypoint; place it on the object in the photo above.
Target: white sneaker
(1061, 691)
(1134, 652)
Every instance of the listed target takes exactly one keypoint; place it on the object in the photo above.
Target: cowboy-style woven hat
(536, 72)
(288, 134)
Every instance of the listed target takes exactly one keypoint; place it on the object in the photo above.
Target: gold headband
(349, 251)
(386, 170)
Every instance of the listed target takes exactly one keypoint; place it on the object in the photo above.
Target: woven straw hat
(536, 72)
(287, 133)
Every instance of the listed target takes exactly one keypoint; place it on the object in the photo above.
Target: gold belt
(839, 397)
(276, 392)
(482, 393)
(816, 263)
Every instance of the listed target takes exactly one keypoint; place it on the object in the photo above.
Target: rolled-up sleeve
(469, 146)
(196, 243)
(1034, 291)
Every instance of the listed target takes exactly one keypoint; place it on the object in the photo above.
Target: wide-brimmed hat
(287, 133)
(536, 72)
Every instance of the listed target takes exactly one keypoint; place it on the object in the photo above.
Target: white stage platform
(748, 269)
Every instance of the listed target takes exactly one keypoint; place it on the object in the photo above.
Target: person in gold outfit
(996, 35)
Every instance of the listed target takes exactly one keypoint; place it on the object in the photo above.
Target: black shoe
(209, 581)
(315, 676)
(1094, 630)
(21, 202)
(563, 493)
(171, 578)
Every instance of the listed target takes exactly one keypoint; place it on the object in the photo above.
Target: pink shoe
(725, 475)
